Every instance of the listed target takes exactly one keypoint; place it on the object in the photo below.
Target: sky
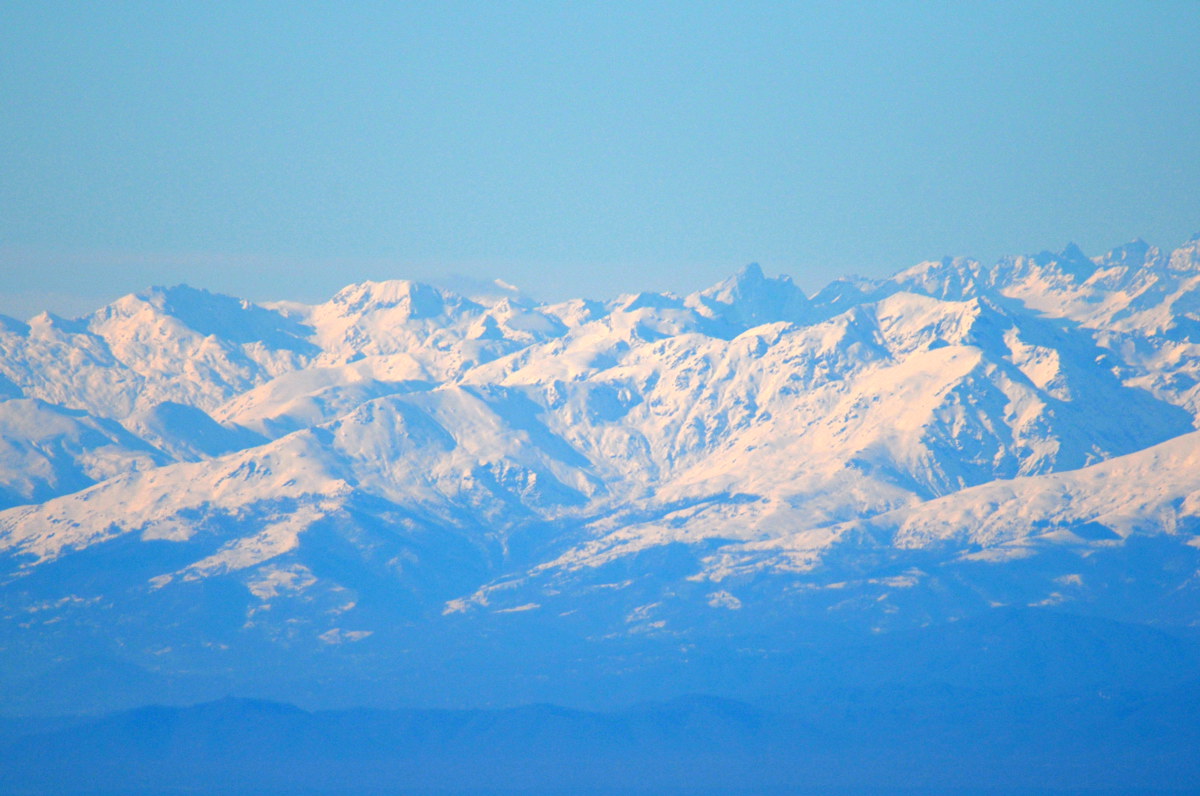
(284, 150)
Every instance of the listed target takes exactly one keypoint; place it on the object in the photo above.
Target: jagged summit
(749, 298)
(415, 300)
(1072, 252)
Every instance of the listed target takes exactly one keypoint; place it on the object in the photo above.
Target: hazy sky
(282, 150)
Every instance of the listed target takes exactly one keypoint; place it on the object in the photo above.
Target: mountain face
(201, 495)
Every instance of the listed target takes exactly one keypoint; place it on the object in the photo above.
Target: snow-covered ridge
(953, 407)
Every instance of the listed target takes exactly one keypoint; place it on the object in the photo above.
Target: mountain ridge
(401, 463)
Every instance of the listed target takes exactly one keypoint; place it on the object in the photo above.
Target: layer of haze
(284, 150)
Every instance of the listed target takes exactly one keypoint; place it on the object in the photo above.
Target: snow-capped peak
(413, 300)
(749, 298)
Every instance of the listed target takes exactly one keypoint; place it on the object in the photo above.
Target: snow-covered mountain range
(191, 482)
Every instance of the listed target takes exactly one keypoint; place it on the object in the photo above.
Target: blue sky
(282, 150)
